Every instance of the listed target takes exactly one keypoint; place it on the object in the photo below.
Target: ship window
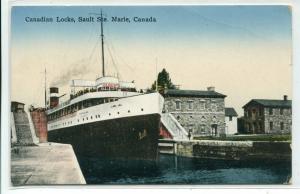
(91, 117)
(128, 111)
(98, 116)
(109, 114)
(83, 119)
(118, 112)
(87, 118)
(142, 109)
(78, 120)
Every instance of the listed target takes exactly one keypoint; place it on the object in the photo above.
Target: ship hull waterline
(133, 137)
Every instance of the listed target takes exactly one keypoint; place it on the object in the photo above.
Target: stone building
(199, 112)
(231, 121)
(268, 116)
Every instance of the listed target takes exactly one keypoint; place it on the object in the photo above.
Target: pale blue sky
(184, 22)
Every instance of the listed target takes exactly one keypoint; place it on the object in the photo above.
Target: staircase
(174, 127)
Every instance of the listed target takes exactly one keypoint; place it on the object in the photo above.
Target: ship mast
(102, 46)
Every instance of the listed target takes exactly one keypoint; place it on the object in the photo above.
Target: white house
(230, 121)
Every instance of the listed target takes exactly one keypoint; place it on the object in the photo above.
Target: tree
(163, 80)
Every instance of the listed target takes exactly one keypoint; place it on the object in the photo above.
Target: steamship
(107, 118)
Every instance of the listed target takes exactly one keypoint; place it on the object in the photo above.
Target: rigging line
(113, 62)
(225, 24)
(92, 52)
(121, 59)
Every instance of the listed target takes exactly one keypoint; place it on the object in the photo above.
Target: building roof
(271, 103)
(230, 112)
(193, 93)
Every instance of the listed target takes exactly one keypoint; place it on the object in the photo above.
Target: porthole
(128, 111)
(142, 109)
(98, 116)
(91, 117)
(118, 112)
(109, 114)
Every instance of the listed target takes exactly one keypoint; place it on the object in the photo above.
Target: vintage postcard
(151, 95)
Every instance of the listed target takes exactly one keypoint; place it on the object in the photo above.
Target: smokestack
(211, 88)
(54, 98)
(285, 97)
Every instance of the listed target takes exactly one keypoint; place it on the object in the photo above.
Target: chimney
(54, 97)
(211, 88)
(285, 97)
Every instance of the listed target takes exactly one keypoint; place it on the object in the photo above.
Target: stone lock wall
(235, 150)
(39, 120)
(200, 116)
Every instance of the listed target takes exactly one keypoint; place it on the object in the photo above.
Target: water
(181, 170)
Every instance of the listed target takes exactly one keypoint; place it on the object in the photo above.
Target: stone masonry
(200, 112)
(268, 116)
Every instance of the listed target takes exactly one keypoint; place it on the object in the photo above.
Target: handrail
(174, 127)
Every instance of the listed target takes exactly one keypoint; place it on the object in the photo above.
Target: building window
(261, 126)
(177, 105)
(230, 118)
(260, 112)
(202, 105)
(249, 114)
(281, 111)
(281, 126)
(270, 111)
(202, 129)
(190, 105)
(213, 106)
(271, 125)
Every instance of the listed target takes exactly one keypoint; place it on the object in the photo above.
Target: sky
(244, 51)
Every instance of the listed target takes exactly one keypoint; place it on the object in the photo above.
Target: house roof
(271, 103)
(230, 112)
(193, 93)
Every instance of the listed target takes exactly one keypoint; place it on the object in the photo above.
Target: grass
(258, 137)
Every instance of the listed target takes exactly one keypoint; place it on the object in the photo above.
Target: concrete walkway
(45, 164)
